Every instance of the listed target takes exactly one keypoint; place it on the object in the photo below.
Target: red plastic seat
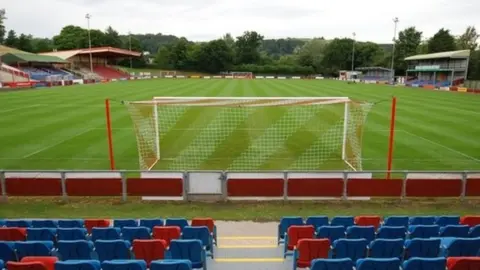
(149, 250)
(198, 222)
(48, 261)
(368, 221)
(463, 263)
(309, 249)
(296, 233)
(13, 234)
(26, 266)
(90, 223)
(470, 220)
(167, 233)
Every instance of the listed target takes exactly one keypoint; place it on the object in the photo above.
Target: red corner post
(391, 137)
(109, 134)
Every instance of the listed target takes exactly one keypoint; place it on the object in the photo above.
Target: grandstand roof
(30, 57)
(102, 51)
(5, 50)
(373, 68)
(451, 54)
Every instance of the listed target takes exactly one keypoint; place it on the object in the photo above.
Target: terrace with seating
(37, 67)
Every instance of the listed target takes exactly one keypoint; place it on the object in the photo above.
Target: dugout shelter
(442, 69)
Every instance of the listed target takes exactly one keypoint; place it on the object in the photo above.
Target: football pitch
(64, 127)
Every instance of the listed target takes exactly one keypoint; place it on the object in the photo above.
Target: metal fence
(472, 84)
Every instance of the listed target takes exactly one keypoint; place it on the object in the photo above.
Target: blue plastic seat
(33, 248)
(332, 264)
(345, 221)
(19, 223)
(386, 248)
(2, 265)
(378, 264)
(112, 250)
(132, 233)
(7, 251)
(75, 250)
(120, 223)
(69, 234)
(439, 263)
(460, 247)
(105, 233)
(392, 232)
(424, 248)
(422, 220)
(474, 231)
(78, 265)
(71, 223)
(171, 265)
(44, 223)
(150, 223)
(2, 222)
(331, 232)
(317, 221)
(179, 222)
(41, 234)
(202, 234)
(423, 231)
(350, 248)
(396, 221)
(124, 265)
(447, 220)
(359, 232)
(283, 226)
(454, 231)
(189, 250)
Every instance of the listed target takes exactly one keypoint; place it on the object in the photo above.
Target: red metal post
(391, 137)
(109, 134)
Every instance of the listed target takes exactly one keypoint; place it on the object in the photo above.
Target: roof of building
(30, 57)
(99, 50)
(373, 68)
(5, 50)
(451, 54)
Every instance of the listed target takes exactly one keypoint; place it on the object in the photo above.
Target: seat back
(132, 233)
(91, 223)
(149, 250)
(463, 263)
(396, 221)
(44, 223)
(150, 223)
(345, 221)
(317, 221)
(447, 220)
(422, 220)
(200, 222)
(350, 248)
(120, 223)
(424, 248)
(18, 223)
(13, 234)
(470, 220)
(33, 248)
(124, 265)
(101, 233)
(41, 234)
(48, 261)
(200, 233)
(378, 264)
(392, 232)
(75, 250)
(78, 265)
(423, 231)
(171, 265)
(296, 233)
(368, 221)
(179, 222)
(71, 234)
(439, 263)
(332, 264)
(454, 231)
(386, 248)
(167, 233)
(26, 266)
(332, 233)
(7, 251)
(462, 247)
(286, 222)
(188, 250)
(112, 250)
(310, 249)
(71, 223)
(359, 232)
(474, 231)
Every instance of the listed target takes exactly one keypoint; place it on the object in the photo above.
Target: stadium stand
(443, 69)
(11, 74)
(109, 73)
(375, 74)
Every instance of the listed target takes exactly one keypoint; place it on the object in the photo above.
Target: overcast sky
(201, 20)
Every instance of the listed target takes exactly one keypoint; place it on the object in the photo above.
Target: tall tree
(42, 45)
(70, 37)
(24, 43)
(408, 43)
(468, 40)
(11, 40)
(442, 41)
(247, 47)
(215, 56)
(2, 25)
(112, 38)
(312, 53)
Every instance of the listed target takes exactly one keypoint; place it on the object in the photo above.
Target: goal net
(251, 133)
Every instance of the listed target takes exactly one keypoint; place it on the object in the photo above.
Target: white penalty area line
(57, 143)
(441, 145)
(21, 108)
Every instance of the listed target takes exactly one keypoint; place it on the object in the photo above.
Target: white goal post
(249, 133)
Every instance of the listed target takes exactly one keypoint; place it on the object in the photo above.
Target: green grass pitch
(64, 127)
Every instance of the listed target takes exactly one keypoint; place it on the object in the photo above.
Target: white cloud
(209, 19)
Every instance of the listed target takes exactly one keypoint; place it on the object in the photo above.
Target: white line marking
(21, 108)
(441, 145)
(57, 143)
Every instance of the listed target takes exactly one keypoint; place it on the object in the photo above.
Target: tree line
(252, 52)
